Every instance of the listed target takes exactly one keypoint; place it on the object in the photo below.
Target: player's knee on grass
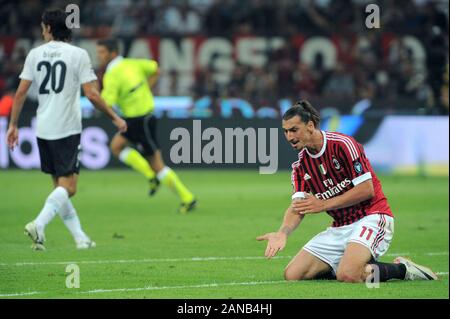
(291, 274)
(349, 274)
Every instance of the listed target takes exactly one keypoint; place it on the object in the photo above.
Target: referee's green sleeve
(148, 66)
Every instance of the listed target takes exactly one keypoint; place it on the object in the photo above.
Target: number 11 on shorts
(364, 228)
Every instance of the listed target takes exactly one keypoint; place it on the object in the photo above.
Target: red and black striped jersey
(340, 165)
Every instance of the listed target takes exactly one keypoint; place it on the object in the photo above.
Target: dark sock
(390, 271)
(328, 275)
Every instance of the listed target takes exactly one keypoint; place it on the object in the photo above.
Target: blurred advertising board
(394, 144)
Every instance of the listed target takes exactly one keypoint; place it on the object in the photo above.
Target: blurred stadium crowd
(362, 73)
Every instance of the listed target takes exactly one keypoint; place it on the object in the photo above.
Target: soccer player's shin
(134, 159)
(55, 201)
(389, 271)
(70, 218)
(168, 177)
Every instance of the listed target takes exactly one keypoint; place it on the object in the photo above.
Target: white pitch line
(128, 261)
(213, 285)
(251, 283)
(161, 260)
(396, 254)
(20, 294)
(439, 253)
(442, 253)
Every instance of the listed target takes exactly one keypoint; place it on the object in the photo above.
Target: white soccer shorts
(373, 231)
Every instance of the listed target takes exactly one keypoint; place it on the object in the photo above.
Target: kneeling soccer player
(334, 168)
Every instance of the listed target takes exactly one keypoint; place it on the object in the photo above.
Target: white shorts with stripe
(373, 231)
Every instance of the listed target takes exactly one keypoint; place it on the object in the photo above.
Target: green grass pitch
(146, 250)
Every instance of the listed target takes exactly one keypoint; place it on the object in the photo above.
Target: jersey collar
(114, 62)
(324, 146)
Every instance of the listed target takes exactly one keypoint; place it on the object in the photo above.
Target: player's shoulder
(141, 62)
(136, 61)
(339, 138)
(37, 49)
(345, 142)
(298, 163)
(337, 135)
(66, 47)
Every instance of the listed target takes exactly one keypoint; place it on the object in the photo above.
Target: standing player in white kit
(58, 68)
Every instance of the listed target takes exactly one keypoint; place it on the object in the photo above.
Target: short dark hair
(56, 19)
(305, 111)
(111, 44)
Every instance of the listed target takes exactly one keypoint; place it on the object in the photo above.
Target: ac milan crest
(336, 164)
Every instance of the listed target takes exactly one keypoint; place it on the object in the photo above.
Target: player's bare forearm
(291, 221)
(16, 109)
(357, 194)
(103, 107)
(92, 93)
(276, 241)
(19, 100)
(313, 205)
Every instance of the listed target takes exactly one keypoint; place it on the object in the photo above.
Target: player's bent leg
(355, 268)
(168, 177)
(118, 143)
(69, 215)
(130, 157)
(70, 219)
(156, 161)
(352, 267)
(374, 233)
(53, 204)
(305, 266)
(69, 182)
(157, 164)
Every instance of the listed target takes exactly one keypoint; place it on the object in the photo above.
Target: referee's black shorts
(60, 157)
(141, 132)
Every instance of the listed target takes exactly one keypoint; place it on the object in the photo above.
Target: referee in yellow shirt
(126, 84)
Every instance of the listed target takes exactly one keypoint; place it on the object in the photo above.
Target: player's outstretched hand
(120, 124)
(309, 205)
(12, 137)
(276, 242)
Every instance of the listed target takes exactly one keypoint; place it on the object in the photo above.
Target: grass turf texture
(234, 207)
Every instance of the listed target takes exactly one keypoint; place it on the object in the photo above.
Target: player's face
(103, 56)
(297, 133)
